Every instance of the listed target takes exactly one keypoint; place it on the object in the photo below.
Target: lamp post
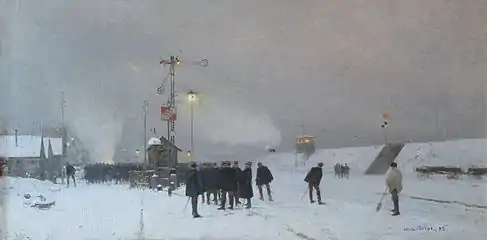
(191, 99)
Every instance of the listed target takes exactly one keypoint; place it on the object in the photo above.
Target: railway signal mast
(173, 62)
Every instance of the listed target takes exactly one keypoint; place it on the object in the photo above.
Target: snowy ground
(114, 212)
(451, 209)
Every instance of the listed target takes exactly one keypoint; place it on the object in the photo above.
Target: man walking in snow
(394, 184)
(194, 188)
(70, 171)
(337, 169)
(346, 170)
(263, 177)
(313, 178)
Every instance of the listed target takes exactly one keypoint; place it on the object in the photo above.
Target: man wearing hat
(239, 172)
(394, 184)
(210, 181)
(202, 172)
(313, 178)
(227, 181)
(263, 178)
(194, 187)
(245, 184)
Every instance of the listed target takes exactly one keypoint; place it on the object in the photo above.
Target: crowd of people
(226, 185)
(341, 170)
(110, 173)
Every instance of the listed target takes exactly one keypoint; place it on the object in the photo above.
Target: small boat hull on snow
(44, 206)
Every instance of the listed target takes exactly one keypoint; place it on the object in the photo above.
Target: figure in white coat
(394, 184)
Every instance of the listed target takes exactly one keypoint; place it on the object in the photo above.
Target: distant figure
(173, 180)
(313, 178)
(338, 170)
(70, 171)
(345, 170)
(3, 163)
(394, 184)
(263, 178)
(194, 188)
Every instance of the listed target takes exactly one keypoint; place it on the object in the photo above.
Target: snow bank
(462, 153)
(16, 189)
(358, 158)
(20, 186)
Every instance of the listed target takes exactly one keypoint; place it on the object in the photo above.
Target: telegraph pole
(172, 62)
(63, 105)
(146, 104)
(485, 109)
(63, 132)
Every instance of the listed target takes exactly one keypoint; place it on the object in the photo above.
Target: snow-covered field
(114, 211)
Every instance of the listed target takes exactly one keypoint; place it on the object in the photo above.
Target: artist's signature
(425, 229)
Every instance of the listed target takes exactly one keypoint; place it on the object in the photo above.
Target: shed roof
(305, 136)
(28, 146)
(164, 140)
(24, 146)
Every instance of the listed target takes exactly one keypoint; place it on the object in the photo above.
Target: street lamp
(191, 99)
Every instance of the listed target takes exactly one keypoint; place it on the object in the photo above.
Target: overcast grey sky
(332, 65)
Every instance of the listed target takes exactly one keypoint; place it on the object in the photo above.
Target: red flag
(165, 113)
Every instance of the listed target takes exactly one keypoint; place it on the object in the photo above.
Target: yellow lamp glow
(191, 96)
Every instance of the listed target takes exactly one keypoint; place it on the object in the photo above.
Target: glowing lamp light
(189, 153)
(137, 151)
(191, 96)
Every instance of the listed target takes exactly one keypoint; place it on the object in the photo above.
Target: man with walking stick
(313, 178)
(194, 188)
(394, 184)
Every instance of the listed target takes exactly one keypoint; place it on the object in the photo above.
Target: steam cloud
(230, 124)
(100, 133)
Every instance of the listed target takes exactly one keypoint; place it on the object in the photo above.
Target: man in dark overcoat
(264, 178)
(313, 178)
(194, 188)
(227, 183)
(245, 184)
(236, 194)
(210, 181)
